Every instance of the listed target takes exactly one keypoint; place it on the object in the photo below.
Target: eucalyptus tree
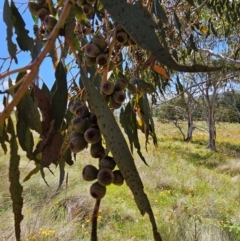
(91, 42)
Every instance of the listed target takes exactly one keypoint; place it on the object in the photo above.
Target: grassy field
(195, 194)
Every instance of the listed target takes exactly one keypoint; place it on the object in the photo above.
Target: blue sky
(24, 58)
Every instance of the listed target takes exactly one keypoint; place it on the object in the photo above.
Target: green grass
(195, 194)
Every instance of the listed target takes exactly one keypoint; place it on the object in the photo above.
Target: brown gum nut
(92, 50)
(105, 176)
(101, 59)
(97, 191)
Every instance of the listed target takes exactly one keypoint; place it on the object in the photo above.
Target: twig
(35, 65)
(94, 220)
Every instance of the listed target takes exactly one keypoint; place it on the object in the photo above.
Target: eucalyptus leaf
(25, 137)
(138, 23)
(60, 96)
(27, 111)
(7, 14)
(15, 188)
(116, 143)
(160, 12)
(25, 42)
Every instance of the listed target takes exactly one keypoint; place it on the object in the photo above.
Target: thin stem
(7, 73)
(110, 50)
(35, 65)
(94, 220)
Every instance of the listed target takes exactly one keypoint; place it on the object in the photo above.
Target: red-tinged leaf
(151, 60)
(161, 71)
(44, 105)
(51, 152)
(14, 176)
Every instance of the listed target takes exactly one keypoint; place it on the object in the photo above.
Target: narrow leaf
(177, 22)
(148, 121)
(44, 105)
(160, 70)
(160, 12)
(28, 112)
(25, 137)
(60, 96)
(14, 176)
(117, 144)
(7, 13)
(66, 158)
(139, 24)
(3, 137)
(25, 42)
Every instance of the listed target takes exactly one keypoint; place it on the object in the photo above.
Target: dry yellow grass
(194, 192)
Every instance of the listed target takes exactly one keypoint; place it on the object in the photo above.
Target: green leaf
(3, 137)
(160, 12)
(139, 24)
(35, 170)
(7, 13)
(66, 158)
(128, 121)
(15, 188)
(148, 120)
(116, 143)
(25, 137)
(177, 22)
(28, 112)
(25, 42)
(60, 96)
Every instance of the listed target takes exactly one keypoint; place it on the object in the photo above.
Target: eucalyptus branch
(225, 58)
(8, 73)
(36, 64)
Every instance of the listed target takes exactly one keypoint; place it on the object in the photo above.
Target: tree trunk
(190, 128)
(211, 129)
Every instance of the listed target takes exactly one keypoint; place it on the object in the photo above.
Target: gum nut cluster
(104, 176)
(42, 11)
(96, 51)
(87, 7)
(122, 36)
(85, 129)
(114, 92)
